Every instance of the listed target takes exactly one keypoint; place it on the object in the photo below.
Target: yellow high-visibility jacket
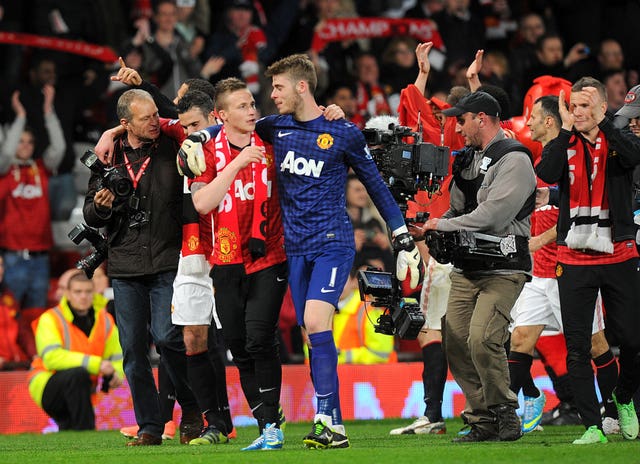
(61, 345)
(355, 336)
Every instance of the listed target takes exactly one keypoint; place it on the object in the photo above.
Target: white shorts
(539, 304)
(193, 302)
(434, 296)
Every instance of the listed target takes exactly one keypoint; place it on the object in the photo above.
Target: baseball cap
(475, 102)
(631, 108)
(246, 4)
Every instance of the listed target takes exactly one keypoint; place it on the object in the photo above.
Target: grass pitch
(370, 444)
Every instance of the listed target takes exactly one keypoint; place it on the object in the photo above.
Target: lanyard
(136, 177)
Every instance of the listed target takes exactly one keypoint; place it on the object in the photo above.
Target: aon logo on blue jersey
(301, 166)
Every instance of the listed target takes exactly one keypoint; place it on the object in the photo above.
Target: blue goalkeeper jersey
(312, 161)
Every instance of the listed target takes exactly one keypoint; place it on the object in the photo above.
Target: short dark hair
(549, 107)
(299, 67)
(202, 85)
(195, 99)
(333, 89)
(225, 86)
(544, 37)
(503, 99)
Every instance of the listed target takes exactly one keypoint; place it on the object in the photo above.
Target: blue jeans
(143, 305)
(28, 279)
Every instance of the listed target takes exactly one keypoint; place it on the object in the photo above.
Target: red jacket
(9, 349)
(24, 197)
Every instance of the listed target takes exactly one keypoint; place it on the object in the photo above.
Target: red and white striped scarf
(227, 248)
(590, 226)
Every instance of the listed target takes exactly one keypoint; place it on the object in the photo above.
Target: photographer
(493, 192)
(144, 233)
(77, 342)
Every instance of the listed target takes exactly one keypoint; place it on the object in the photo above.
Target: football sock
(520, 373)
(325, 371)
(434, 378)
(607, 374)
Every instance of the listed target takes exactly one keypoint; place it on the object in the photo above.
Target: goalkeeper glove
(190, 159)
(408, 258)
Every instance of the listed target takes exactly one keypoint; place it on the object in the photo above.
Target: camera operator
(493, 192)
(144, 237)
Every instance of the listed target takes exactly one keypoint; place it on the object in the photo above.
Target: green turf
(371, 443)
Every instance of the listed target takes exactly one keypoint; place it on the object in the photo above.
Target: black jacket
(624, 154)
(154, 246)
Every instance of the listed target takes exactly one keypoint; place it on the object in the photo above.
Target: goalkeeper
(493, 192)
(312, 158)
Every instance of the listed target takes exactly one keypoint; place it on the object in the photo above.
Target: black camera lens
(122, 187)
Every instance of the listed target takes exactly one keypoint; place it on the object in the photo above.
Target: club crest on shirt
(193, 242)
(269, 159)
(559, 270)
(228, 244)
(325, 141)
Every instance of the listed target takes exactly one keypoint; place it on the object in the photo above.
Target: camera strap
(493, 154)
(135, 177)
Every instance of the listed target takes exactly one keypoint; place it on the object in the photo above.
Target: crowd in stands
(53, 102)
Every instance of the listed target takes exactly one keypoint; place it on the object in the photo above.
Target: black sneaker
(563, 414)
(509, 426)
(339, 440)
(477, 434)
(320, 437)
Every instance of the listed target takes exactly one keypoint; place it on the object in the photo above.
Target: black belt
(589, 251)
(25, 254)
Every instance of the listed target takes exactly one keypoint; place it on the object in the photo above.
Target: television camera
(407, 167)
(402, 316)
(472, 251)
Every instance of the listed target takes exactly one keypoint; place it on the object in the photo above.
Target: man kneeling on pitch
(77, 342)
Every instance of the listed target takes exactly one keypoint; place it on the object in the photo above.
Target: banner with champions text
(332, 30)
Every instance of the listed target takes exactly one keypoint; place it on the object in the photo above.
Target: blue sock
(325, 371)
(336, 415)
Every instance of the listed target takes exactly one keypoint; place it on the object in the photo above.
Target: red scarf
(371, 100)
(227, 248)
(252, 40)
(590, 227)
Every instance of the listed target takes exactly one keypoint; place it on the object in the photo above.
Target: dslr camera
(407, 167)
(110, 178)
(99, 252)
(402, 316)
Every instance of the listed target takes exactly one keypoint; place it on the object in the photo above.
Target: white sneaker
(610, 426)
(421, 426)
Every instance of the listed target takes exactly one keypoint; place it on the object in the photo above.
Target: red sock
(553, 351)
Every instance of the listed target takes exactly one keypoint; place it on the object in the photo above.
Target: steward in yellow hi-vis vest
(77, 343)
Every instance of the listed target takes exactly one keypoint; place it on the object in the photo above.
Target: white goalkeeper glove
(190, 159)
(408, 258)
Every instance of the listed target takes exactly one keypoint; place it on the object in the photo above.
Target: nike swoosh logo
(265, 390)
(280, 279)
(325, 290)
(284, 134)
